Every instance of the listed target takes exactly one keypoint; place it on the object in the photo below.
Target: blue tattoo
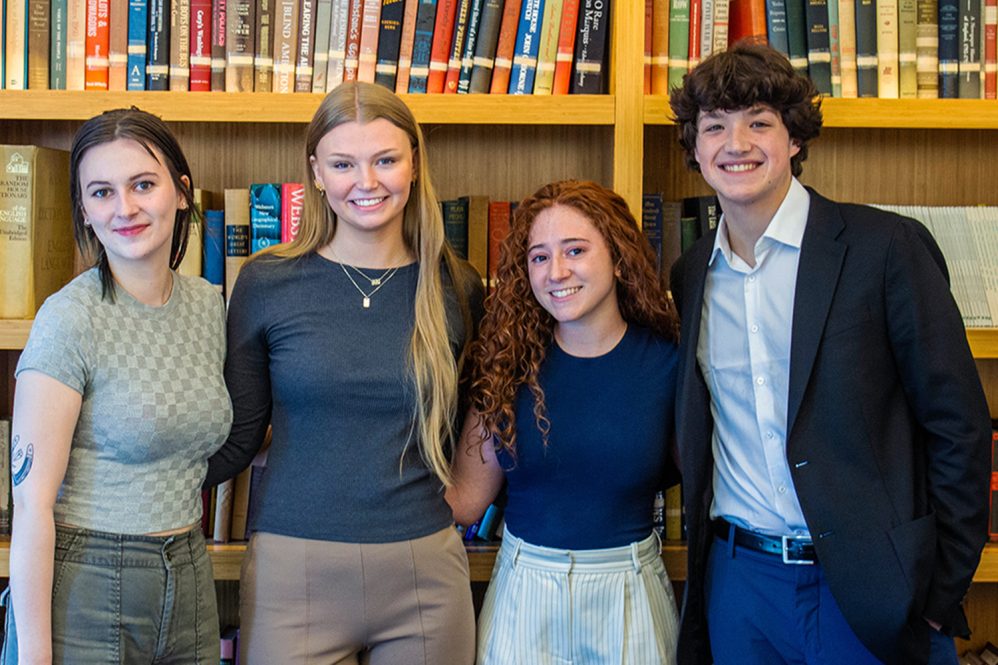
(20, 460)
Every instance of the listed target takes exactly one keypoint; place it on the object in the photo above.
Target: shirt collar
(786, 227)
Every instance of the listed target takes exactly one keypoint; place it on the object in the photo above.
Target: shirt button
(751, 278)
(760, 380)
(782, 489)
(755, 328)
(769, 435)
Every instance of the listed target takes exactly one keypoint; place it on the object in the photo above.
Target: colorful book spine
(969, 67)
(443, 38)
(949, 48)
(117, 54)
(748, 20)
(485, 47)
(265, 216)
(76, 38)
(649, 30)
(927, 48)
(389, 41)
(776, 26)
(338, 24)
(200, 46)
(16, 45)
(263, 58)
(659, 47)
(993, 512)
(214, 248)
(218, 44)
(990, 49)
(566, 48)
(453, 74)
(505, 46)
(352, 58)
(292, 206)
(679, 41)
(527, 45)
(907, 47)
(500, 213)
(180, 45)
(548, 48)
(455, 214)
(721, 26)
(694, 45)
(834, 47)
(470, 43)
(306, 46)
(285, 45)
(422, 44)
(98, 38)
(370, 26)
(819, 54)
(590, 49)
(39, 49)
(405, 46)
(57, 46)
(237, 235)
(705, 31)
(887, 49)
(866, 48)
(138, 24)
(158, 57)
(240, 22)
(847, 47)
(320, 59)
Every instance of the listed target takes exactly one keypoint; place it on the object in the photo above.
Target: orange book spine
(694, 48)
(443, 33)
(457, 39)
(505, 47)
(405, 47)
(499, 221)
(370, 24)
(566, 47)
(117, 74)
(748, 19)
(98, 40)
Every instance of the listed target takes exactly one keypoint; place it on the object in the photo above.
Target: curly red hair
(516, 331)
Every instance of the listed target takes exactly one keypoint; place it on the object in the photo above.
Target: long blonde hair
(433, 367)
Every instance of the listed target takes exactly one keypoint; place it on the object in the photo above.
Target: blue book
(776, 26)
(265, 216)
(819, 54)
(949, 48)
(455, 215)
(489, 524)
(422, 43)
(138, 25)
(158, 54)
(651, 225)
(470, 44)
(528, 42)
(213, 268)
(866, 48)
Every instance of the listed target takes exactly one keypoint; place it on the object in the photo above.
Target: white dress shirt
(744, 355)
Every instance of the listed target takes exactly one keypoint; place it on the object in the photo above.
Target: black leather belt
(792, 549)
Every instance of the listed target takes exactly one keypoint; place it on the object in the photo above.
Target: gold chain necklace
(381, 281)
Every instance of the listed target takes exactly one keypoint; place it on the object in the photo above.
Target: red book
(990, 48)
(747, 18)
(648, 24)
(201, 45)
(461, 29)
(292, 204)
(694, 48)
(499, 218)
(98, 41)
(505, 47)
(993, 523)
(443, 35)
(355, 19)
(566, 47)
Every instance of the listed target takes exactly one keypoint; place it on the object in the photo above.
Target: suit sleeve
(942, 386)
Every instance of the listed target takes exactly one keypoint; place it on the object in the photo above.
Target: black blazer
(888, 429)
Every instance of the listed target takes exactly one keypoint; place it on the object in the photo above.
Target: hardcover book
(422, 44)
(338, 24)
(847, 47)
(180, 45)
(679, 41)
(263, 58)
(907, 44)
(949, 48)
(819, 55)
(458, 40)
(389, 40)
(927, 48)
(408, 34)
(470, 44)
(285, 45)
(265, 216)
(138, 24)
(443, 38)
(306, 46)
(866, 48)
(218, 44)
(566, 48)
(240, 24)
(486, 45)
(320, 57)
(158, 56)
(98, 39)
(505, 46)
(200, 46)
(57, 47)
(590, 48)
(117, 54)
(776, 25)
(76, 37)
(39, 50)
(548, 48)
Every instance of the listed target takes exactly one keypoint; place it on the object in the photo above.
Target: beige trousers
(314, 602)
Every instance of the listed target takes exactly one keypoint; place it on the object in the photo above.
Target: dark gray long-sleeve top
(332, 378)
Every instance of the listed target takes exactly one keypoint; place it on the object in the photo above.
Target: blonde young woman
(349, 342)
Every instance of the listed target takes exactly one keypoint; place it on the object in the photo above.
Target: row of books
(409, 46)
(988, 655)
(849, 48)
(672, 226)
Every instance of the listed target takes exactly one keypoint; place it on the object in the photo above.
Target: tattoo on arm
(21, 458)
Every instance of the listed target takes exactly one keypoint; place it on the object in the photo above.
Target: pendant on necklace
(376, 282)
(367, 302)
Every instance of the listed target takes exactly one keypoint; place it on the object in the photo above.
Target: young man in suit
(833, 434)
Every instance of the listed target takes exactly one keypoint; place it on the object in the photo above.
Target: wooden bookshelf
(877, 113)
(14, 333)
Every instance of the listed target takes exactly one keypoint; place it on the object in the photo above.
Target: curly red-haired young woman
(572, 406)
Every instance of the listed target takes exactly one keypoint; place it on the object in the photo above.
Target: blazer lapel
(821, 258)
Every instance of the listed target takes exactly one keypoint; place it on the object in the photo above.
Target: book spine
(525, 56)
(292, 205)
(200, 46)
(866, 48)
(306, 46)
(239, 48)
(214, 248)
(422, 41)
(990, 49)
(76, 36)
(352, 57)
(265, 216)
(819, 56)
(455, 214)
(320, 58)
(263, 59)
(949, 48)
(16, 65)
(443, 37)
(478, 233)
(679, 40)
(834, 47)
(797, 29)
(969, 67)
(696, 22)
(993, 513)
(566, 48)
(485, 47)
(847, 47)
(927, 48)
(505, 46)
(458, 40)
(370, 26)
(338, 24)
(547, 48)
(389, 40)
(499, 219)
(659, 48)
(721, 26)
(590, 51)
(117, 54)
(887, 49)
(180, 45)
(98, 38)
(706, 30)
(57, 46)
(748, 20)
(158, 57)
(237, 235)
(649, 29)
(218, 33)
(285, 45)
(405, 46)
(138, 24)
(39, 34)
(907, 45)
(5, 498)
(776, 25)
(651, 226)
(470, 43)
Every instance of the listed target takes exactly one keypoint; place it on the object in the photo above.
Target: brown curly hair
(516, 331)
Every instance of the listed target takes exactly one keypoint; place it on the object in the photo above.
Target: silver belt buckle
(786, 558)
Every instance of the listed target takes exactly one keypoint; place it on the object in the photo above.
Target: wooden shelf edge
(227, 559)
(14, 333)
(299, 108)
(877, 113)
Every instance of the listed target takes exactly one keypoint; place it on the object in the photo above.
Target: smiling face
(745, 156)
(130, 201)
(571, 270)
(367, 173)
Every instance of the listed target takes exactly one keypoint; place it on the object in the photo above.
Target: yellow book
(548, 48)
(237, 235)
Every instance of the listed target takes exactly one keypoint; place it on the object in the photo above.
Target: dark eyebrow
(137, 176)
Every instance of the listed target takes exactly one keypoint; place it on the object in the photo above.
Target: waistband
(612, 559)
(129, 550)
(792, 549)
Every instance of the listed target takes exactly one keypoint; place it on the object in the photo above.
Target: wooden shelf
(878, 113)
(226, 560)
(299, 108)
(14, 333)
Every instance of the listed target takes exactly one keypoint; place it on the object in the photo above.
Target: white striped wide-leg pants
(547, 606)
